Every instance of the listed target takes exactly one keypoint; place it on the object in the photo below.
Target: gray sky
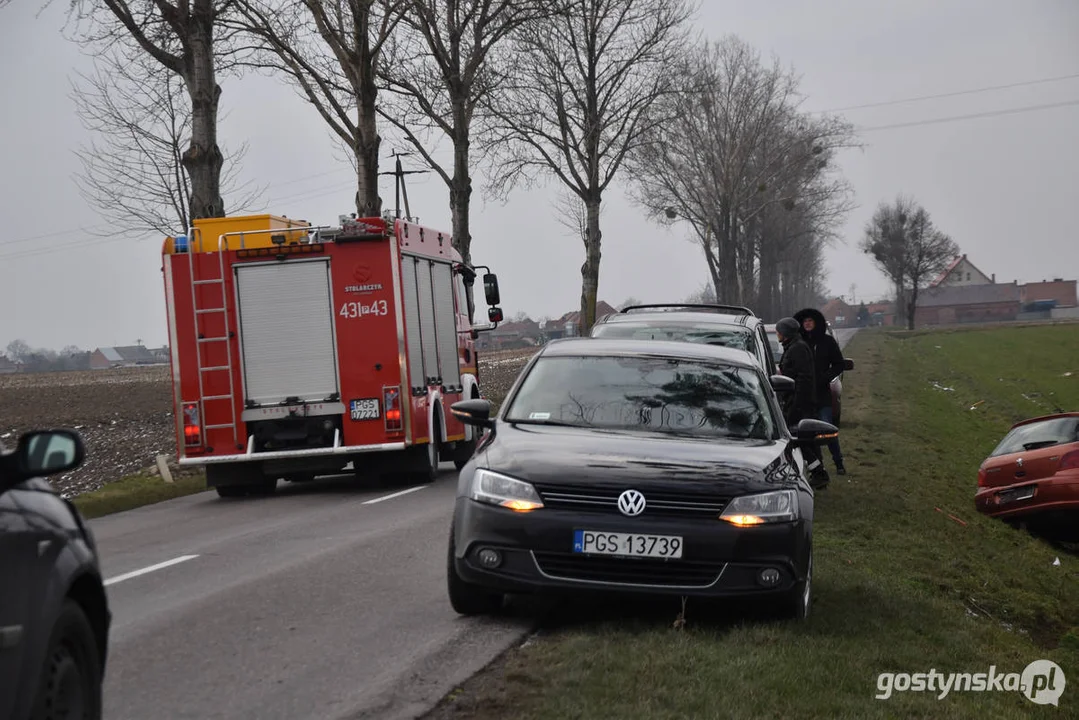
(1002, 186)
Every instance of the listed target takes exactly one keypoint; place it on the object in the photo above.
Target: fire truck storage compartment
(287, 332)
(430, 323)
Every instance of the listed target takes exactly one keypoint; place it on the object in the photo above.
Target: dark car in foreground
(54, 615)
(1032, 476)
(640, 466)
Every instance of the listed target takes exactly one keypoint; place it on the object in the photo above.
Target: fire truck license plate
(365, 409)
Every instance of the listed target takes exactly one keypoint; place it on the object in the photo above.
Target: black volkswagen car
(635, 465)
(54, 615)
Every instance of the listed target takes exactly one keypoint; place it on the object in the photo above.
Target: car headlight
(770, 507)
(495, 489)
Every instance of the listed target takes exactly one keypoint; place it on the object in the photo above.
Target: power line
(956, 93)
(972, 116)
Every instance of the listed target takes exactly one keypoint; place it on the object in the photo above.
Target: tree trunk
(713, 268)
(367, 141)
(766, 299)
(203, 159)
(460, 199)
(911, 305)
(365, 150)
(590, 269)
(728, 257)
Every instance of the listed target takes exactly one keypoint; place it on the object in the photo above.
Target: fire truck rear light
(192, 425)
(391, 400)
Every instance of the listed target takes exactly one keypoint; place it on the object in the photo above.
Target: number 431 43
(359, 309)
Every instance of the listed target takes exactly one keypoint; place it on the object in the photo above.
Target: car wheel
(70, 685)
(800, 598)
(466, 598)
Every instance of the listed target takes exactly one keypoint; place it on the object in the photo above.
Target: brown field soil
(125, 415)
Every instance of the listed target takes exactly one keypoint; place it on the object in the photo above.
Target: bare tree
(908, 248)
(187, 39)
(748, 172)
(134, 174)
(331, 51)
(438, 75)
(575, 100)
(885, 240)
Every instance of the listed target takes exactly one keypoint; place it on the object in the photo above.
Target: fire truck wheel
(231, 491)
(463, 453)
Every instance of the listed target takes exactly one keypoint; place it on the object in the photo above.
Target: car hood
(561, 455)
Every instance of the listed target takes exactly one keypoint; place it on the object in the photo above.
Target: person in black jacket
(797, 363)
(828, 363)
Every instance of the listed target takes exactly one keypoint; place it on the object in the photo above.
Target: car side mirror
(490, 288)
(815, 431)
(45, 452)
(494, 314)
(782, 384)
(475, 412)
(848, 364)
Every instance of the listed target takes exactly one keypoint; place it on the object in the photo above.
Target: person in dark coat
(797, 363)
(828, 364)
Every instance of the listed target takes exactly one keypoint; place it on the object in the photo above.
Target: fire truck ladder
(219, 281)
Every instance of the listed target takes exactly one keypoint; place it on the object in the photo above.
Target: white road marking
(391, 496)
(152, 568)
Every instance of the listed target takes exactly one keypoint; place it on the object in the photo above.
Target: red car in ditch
(1033, 475)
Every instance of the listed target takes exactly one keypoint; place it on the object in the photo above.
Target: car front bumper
(718, 559)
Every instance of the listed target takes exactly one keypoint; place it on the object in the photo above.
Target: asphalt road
(325, 601)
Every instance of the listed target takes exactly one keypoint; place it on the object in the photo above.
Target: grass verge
(135, 491)
(899, 587)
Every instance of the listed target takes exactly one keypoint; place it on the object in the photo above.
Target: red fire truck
(297, 350)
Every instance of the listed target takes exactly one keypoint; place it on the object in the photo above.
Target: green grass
(135, 491)
(899, 586)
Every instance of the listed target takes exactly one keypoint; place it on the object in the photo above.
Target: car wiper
(553, 423)
(1034, 445)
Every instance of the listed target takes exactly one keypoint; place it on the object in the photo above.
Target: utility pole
(399, 182)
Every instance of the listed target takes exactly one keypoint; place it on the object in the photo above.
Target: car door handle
(10, 636)
(43, 547)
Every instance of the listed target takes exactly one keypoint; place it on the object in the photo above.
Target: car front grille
(628, 571)
(658, 503)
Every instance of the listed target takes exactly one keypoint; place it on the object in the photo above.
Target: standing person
(797, 363)
(828, 361)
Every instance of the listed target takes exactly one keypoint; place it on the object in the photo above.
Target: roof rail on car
(733, 309)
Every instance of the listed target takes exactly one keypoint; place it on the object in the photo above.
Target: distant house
(961, 272)
(512, 335)
(881, 313)
(127, 356)
(7, 366)
(839, 313)
(947, 305)
(569, 325)
(1061, 293)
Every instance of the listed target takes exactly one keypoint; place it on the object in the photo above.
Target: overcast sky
(1003, 186)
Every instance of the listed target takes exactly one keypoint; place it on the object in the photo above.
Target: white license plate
(365, 409)
(1023, 493)
(627, 544)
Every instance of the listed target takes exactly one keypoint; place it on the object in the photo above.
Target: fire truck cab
(297, 350)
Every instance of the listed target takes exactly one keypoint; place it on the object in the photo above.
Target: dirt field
(125, 415)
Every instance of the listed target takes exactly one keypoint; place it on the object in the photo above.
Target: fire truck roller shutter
(409, 265)
(424, 292)
(446, 320)
(286, 331)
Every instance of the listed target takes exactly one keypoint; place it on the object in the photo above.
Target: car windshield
(732, 336)
(662, 395)
(1040, 434)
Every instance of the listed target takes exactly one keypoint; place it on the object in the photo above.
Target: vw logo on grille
(631, 503)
